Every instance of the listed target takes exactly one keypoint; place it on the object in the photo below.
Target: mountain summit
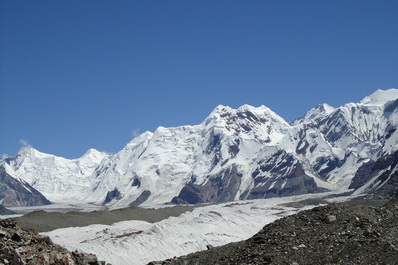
(381, 97)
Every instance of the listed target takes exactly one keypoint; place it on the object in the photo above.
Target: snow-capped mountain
(233, 154)
(55, 177)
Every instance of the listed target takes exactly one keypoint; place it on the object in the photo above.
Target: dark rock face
(220, 188)
(391, 107)
(386, 184)
(324, 165)
(136, 182)
(280, 175)
(333, 234)
(189, 194)
(295, 183)
(111, 195)
(19, 246)
(363, 175)
(142, 198)
(14, 192)
(336, 121)
(389, 189)
(5, 211)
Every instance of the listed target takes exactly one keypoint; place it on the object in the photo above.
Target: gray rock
(33, 248)
(331, 218)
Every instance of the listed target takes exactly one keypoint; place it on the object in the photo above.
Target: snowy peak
(247, 122)
(262, 111)
(92, 153)
(327, 108)
(93, 156)
(146, 136)
(317, 113)
(29, 151)
(380, 97)
(253, 113)
(217, 114)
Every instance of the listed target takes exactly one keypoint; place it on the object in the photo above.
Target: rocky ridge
(333, 234)
(19, 247)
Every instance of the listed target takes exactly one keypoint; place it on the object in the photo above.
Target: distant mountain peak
(26, 150)
(320, 111)
(91, 151)
(261, 111)
(222, 111)
(380, 97)
(140, 138)
(92, 156)
(29, 151)
(326, 107)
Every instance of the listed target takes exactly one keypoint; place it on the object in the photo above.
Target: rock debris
(27, 247)
(333, 234)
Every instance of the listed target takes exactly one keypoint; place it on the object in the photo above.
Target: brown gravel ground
(47, 221)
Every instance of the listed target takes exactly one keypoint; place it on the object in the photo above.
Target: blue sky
(87, 74)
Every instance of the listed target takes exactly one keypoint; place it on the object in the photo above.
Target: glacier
(138, 242)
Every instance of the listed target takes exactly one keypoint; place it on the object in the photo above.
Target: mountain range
(234, 154)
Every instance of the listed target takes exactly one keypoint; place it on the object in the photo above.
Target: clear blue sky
(81, 74)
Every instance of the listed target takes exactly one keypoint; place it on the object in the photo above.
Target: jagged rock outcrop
(19, 246)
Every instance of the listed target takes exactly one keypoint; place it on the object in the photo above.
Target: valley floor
(139, 242)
